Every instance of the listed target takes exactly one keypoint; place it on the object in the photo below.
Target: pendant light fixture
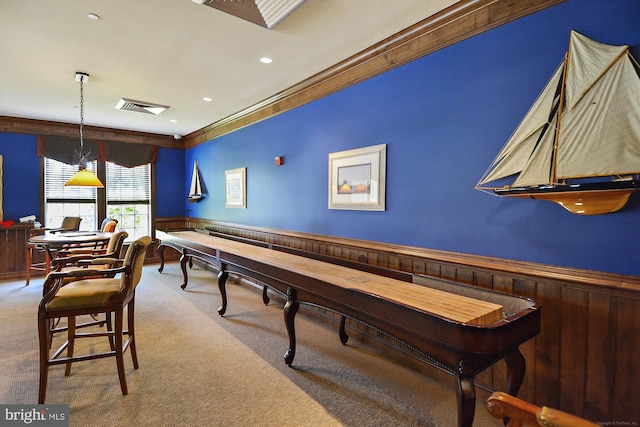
(84, 177)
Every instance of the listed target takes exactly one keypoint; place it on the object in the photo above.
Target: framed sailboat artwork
(235, 182)
(579, 143)
(357, 178)
(195, 190)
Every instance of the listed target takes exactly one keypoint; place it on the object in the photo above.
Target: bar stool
(110, 295)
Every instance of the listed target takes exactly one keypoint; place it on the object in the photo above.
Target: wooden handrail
(521, 413)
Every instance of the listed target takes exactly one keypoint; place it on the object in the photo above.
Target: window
(125, 168)
(127, 197)
(61, 201)
(128, 194)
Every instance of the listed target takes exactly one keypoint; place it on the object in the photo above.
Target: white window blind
(128, 193)
(56, 174)
(128, 184)
(61, 201)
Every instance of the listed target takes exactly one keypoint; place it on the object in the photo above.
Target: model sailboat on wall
(195, 191)
(579, 144)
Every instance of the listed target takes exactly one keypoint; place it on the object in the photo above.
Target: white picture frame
(235, 183)
(357, 178)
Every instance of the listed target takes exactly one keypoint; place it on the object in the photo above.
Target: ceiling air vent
(140, 106)
(266, 13)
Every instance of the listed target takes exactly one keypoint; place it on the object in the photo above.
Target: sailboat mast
(561, 102)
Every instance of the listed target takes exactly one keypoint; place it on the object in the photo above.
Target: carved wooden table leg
(161, 256)
(466, 393)
(343, 334)
(516, 366)
(290, 310)
(183, 265)
(222, 285)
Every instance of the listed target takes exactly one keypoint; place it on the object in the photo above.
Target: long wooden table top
(448, 305)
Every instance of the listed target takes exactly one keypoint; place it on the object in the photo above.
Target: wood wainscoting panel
(601, 356)
(627, 374)
(547, 361)
(527, 288)
(13, 247)
(573, 350)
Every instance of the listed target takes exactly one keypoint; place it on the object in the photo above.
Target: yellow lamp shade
(84, 178)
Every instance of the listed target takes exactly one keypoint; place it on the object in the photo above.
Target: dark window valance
(130, 155)
(67, 150)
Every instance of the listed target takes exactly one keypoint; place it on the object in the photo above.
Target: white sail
(600, 134)
(537, 169)
(588, 61)
(195, 191)
(514, 156)
(599, 126)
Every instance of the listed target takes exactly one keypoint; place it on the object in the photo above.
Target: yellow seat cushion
(84, 293)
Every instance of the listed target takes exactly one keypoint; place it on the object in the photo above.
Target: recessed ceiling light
(173, 121)
(266, 60)
(206, 98)
(93, 16)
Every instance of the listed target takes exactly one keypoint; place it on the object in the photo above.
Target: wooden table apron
(461, 348)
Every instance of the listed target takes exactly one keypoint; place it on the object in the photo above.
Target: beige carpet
(198, 369)
(232, 387)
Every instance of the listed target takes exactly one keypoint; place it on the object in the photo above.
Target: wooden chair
(97, 295)
(69, 223)
(108, 226)
(96, 259)
(521, 413)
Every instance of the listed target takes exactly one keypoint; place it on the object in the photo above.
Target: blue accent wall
(170, 173)
(443, 117)
(20, 183)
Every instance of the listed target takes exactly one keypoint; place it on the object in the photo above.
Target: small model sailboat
(195, 191)
(579, 144)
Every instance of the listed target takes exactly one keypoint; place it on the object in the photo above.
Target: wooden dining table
(53, 242)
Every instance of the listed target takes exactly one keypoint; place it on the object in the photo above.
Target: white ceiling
(175, 52)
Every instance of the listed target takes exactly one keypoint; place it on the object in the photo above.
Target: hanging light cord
(81, 117)
(84, 177)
